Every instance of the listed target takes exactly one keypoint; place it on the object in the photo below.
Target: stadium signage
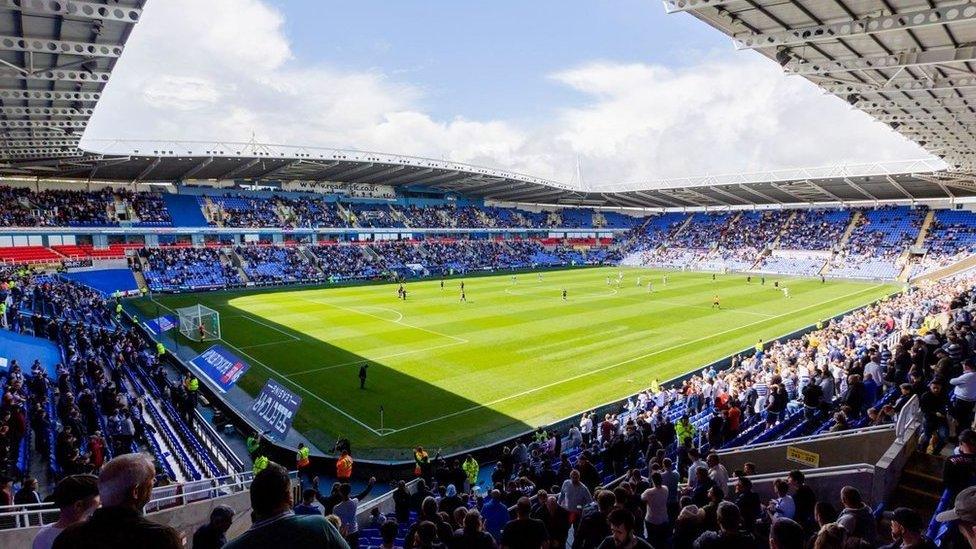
(803, 457)
(275, 407)
(161, 325)
(222, 367)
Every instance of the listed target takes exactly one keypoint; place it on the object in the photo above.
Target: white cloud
(222, 69)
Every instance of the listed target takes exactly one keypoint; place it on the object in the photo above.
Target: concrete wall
(185, 518)
(834, 450)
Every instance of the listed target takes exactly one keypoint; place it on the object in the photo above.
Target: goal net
(199, 323)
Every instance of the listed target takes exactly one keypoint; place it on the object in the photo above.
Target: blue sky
(491, 59)
(633, 94)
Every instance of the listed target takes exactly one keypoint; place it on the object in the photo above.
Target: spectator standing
(906, 531)
(524, 532)
(656, 521)
(856, 517)
(275, 525)
(76, 497)
(730, 534)
(213, 535)
(622, 532)
(124, 487)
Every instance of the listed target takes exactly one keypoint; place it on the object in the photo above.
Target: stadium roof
(55, 58)
(911, 64)
(57, 55)
(183, 161)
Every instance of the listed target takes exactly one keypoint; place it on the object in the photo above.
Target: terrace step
(786, 227)
(920, 485)
(854, 223)
(964, 264)
(924, 230)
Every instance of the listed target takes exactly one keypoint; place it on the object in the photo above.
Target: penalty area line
(293, 384)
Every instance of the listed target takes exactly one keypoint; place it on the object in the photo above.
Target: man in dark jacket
(729, 535)
(593, 527)
(935, 410)
(124, 487)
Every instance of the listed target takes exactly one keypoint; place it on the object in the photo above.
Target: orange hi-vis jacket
(344, 467)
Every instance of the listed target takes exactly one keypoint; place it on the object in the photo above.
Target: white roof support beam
(272, 171)
(938, 182)
(898, 186)
(48, 124)
(75, 9)
(409, 176)
(383, 173)
(59, 47)
(868, 25)
(913, 104)
(784, 190)
(58, 112)
(937, 84)
(323, 168)
(825, 191)
(358, 168)
(58, 75)
(899, 60)
(240, 169)
(935, 117)
(56, 142)
(860, 189)
(435, 178)
(659, 198)
(152, 166)
(737, 199)
(674, 6)
(760, 194)
(195, 169)
(7, 94)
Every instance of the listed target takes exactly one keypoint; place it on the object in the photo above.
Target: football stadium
(228, 343)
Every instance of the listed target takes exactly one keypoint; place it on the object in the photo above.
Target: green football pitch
(456, 375)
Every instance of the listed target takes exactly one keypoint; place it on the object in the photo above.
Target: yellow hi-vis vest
(303, 460)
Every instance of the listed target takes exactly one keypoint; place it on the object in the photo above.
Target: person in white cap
(964, 514)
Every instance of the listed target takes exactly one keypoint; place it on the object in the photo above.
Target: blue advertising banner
(274, 408)
(222, 367)
(161, 325)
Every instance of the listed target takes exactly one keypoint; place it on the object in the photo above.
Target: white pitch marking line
(265, 324)
(628, 361)
(290, 382)
(400, 321)
(375, 359)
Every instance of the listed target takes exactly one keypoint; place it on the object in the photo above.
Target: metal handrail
(164, 497)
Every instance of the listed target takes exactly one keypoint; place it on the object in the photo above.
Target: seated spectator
(213, 534)
(124, 487)
(275, 525)
(76, 497)
(472, 535)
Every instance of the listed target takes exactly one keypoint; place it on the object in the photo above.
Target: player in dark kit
(362, 376)
(564, 295)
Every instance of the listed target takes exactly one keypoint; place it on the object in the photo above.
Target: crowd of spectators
(277, 264)
(172, 268)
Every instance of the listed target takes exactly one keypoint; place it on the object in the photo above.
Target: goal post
(199, 323)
